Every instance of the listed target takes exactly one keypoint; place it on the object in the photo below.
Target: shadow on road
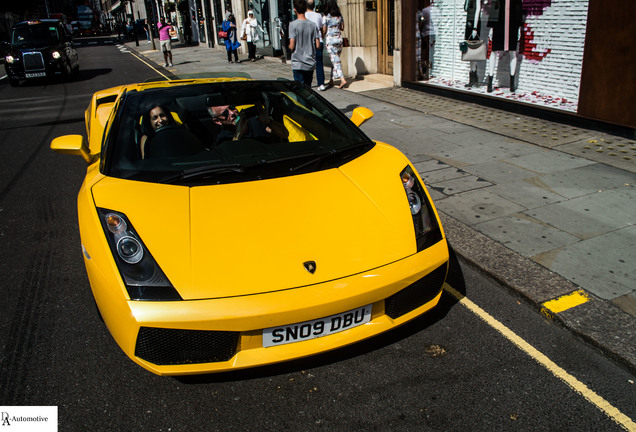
(88, 74)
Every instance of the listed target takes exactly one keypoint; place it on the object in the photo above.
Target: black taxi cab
(40, 49)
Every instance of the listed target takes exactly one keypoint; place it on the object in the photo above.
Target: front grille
(33, 61)
(163, 346)
(416, 294)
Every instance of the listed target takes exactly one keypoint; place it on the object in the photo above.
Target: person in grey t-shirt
(304, 39)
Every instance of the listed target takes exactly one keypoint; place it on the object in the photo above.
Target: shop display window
(532, 49)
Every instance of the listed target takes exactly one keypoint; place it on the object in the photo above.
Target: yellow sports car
(228, 223)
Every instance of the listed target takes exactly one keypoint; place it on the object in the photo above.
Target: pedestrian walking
(164, 41)
(316, 17)
(249, 34)
(332, 28)
(147, 30)
(231, 43)
(303, 40)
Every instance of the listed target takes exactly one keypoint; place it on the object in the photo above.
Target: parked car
(40, 49)
(228, 223)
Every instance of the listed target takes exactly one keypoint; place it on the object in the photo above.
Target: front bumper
(51, 68)
(230, 329)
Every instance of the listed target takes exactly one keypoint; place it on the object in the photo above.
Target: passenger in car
(262, 125)
(256, 122)
(225, 119)
(158, 117)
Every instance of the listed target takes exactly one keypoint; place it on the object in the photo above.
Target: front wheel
(14, 82)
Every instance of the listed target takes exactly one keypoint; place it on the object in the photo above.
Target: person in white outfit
(249, 33)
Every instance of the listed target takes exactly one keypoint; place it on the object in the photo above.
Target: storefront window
(529, 51)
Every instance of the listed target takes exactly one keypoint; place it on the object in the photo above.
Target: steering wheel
(172, 141)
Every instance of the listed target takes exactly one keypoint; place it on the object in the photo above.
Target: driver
(158, 117)
(225, 117)
(255, 123)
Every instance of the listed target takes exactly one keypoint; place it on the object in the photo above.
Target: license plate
(35, 75)
(282, 335)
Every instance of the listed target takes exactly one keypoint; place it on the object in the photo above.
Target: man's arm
(292, 37)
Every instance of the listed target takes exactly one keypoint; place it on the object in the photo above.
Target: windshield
(35, 35)
(228, 132)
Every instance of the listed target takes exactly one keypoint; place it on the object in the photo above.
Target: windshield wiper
(330, 154)
(204, 171)
(281, 159)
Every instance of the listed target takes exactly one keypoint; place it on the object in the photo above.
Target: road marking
(566, 301)
(150, 66)
(576, 385)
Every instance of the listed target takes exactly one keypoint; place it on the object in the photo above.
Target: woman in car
(158, 117)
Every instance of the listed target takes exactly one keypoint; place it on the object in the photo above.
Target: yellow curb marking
(149, 65)
(567, 301)
(576, 385)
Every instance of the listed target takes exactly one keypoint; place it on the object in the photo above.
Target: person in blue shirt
(231, 42)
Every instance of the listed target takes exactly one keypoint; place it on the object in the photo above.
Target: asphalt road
(454, 369)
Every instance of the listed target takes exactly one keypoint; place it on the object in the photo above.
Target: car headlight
(426, 230)
(9, 59)
(141, 274)
(56, 55)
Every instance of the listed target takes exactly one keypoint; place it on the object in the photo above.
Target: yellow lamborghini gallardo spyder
(232, 223)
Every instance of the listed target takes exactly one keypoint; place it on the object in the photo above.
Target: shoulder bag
(473, 50)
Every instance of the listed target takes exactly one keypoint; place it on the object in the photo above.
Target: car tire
(76, 72)
(14, 82)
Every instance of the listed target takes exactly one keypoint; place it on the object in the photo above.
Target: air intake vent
(417, 294)
(173, 346)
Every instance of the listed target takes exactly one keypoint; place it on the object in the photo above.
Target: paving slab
(499, 171)
(525, 235)
(526, 193)
(476, 206)
(615, 151)
(591, 215)
(576, 182)
(442, 175)
(596, 264)
(459, 186)
(544, 161)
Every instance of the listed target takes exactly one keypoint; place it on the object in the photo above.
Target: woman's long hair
(331, 8)
(146, 125)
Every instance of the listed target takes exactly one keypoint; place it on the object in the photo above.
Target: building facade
(571, 56)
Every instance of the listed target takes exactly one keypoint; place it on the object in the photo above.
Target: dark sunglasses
(226, 113)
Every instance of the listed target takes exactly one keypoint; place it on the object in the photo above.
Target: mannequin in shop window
(427, 17)
(473, 27)
(505, 18)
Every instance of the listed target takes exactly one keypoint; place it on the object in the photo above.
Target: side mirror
(73, 145)
(361, 115)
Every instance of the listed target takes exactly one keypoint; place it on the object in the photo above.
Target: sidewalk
(547, 209)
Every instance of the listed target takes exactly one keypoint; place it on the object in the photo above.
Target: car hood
(255, 237)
